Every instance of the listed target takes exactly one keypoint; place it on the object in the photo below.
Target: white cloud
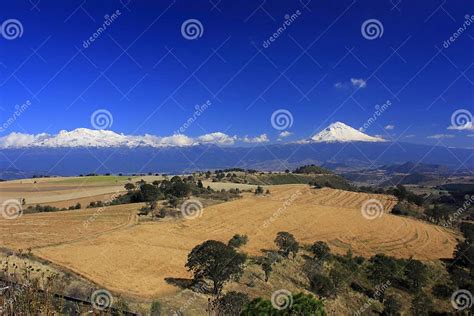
(440, 136)
(359, 82)
(466, 127)
(410, 136)
(390, 127)
(13, 140)
(175, 140)
(354, 82)
(470, 135)
(257, 139)
(217, 138)
(284, 134)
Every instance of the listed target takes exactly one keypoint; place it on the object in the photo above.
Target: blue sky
(150, 77)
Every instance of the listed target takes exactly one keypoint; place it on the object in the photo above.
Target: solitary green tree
(287, 244)
(215, 261)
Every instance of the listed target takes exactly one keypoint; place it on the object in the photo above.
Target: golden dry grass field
(117, 252)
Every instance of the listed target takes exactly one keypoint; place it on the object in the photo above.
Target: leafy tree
(392, 306)
(320, 250)
(217, 262)
(258, 307)
(339, 275)
(259, 190)
(149, 192)
(287, 244)
(443, 291)
(312, 169)
(267, 267)
(464, 254)
(437, 213)
(180, 189)
(299, 304)
(421, 304)
(199, 184)
(232, 303)
(400, 192)
(305, 304)
(382, 268)
(322, 285)
(416, 273)
(238, 240)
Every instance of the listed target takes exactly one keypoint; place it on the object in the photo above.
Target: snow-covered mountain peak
(340, 132)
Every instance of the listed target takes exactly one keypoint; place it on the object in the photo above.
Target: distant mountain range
(85, 151)
(73, 161)
(90, 138)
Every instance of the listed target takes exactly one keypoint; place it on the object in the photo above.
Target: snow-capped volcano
(340, 132)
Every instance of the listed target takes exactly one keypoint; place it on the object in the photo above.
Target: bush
(443, 291)
(303, 304)
(155, 309)
(322, 285)
(237, 241)
(259, 190)
(320, 250)
(392, 306)
(421, 304)
(232, 303)
(287, 244)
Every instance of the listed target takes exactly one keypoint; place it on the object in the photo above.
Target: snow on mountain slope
(84, 137)
(340, 132)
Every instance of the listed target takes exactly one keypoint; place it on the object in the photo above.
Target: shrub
(237, 241)
(421, 304)
(303, 304)
(232, 303)
(259, 190)
(320, 250)
(392, 306)
(443, 291)
(287, 244)
(322, 285)
(155, 309)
